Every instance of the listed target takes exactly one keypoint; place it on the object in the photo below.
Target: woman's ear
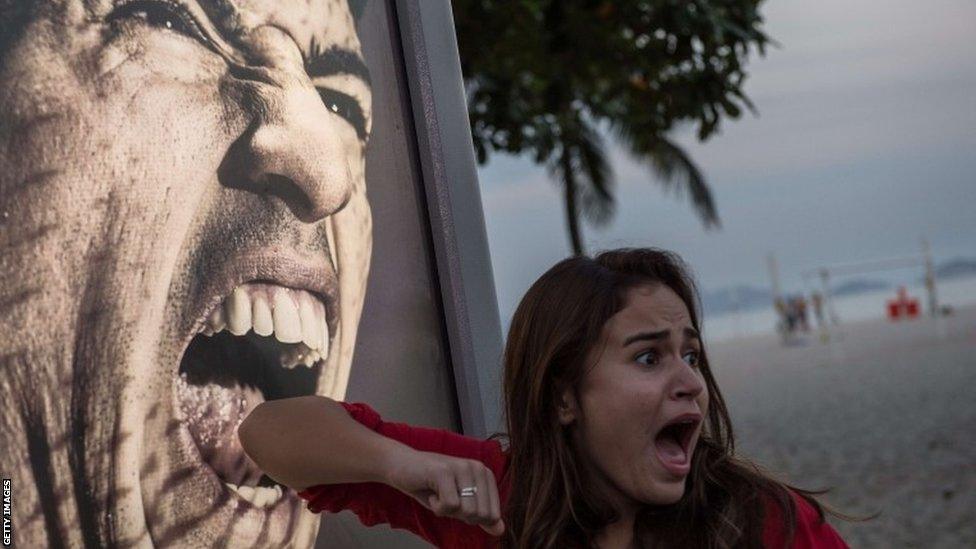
(567, 407)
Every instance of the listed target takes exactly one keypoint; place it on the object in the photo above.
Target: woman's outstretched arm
(312, 440)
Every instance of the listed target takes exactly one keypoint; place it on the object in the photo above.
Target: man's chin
(182, 501)
(187, 492)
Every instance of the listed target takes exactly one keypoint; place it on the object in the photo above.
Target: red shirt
(376, 503)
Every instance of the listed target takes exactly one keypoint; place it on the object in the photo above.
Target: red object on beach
(902, 306)
(376, 503)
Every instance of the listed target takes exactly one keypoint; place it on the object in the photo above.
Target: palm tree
(587, 179)
(555, 77)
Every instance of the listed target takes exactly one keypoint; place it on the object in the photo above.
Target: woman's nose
(688, 383)
(294, 147)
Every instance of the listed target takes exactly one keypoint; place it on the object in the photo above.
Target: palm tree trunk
(572, 211)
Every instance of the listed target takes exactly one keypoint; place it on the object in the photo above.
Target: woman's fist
(436, 482)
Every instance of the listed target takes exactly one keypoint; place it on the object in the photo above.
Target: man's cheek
(154, 54)
(165, 111)
(169, 147)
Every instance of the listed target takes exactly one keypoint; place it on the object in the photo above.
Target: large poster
(187, 230)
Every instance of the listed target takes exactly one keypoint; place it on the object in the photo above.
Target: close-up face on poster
(257, 258)
(187, 231)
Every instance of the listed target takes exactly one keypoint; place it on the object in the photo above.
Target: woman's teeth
(292, 316)
(258, 496)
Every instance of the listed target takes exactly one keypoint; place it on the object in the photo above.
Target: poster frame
(457, 223)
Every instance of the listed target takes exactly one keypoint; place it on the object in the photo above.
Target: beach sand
(884, 414)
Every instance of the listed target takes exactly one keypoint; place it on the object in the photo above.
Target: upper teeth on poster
(292, 316)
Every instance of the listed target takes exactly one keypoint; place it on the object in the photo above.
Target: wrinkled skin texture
(146, 172)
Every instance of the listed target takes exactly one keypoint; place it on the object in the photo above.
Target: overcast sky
(865, 141)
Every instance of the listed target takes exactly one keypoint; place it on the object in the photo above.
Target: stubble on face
(114, 213)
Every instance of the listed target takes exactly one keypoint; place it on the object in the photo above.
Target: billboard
(205, 204)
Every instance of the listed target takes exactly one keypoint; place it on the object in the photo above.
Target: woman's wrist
(394, 457)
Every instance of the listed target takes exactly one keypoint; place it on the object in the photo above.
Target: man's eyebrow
(689, 332)
(335, 60)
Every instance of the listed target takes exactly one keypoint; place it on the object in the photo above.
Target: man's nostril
(306, 205)
(306, 168)
(283, 187)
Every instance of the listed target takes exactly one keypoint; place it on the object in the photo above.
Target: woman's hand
(436, 481)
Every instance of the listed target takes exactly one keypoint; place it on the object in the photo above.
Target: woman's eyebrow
(647, 336)
(689, 333)
(336, 60)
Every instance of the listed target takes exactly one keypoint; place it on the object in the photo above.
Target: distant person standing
(782, 317)
(792, 314)
(817, 300)
(801, 312)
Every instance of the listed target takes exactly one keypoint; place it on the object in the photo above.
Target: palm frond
(684, 175)
(673, 166)
(597, 202)
(561, 168)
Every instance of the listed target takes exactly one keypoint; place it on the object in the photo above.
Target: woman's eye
(691, 358)
(648, 358)
(159, 14)
(346, 107)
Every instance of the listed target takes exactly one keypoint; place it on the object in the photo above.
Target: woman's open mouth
(263, 342)
(674, 443)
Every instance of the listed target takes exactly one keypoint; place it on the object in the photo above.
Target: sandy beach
(883, 414)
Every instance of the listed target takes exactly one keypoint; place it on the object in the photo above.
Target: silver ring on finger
(468, 491)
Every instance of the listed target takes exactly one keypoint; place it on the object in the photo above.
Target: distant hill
(859, 286)
(743, 297)
(956, 268)
(727, 300)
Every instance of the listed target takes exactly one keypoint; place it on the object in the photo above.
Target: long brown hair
(554, 501)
